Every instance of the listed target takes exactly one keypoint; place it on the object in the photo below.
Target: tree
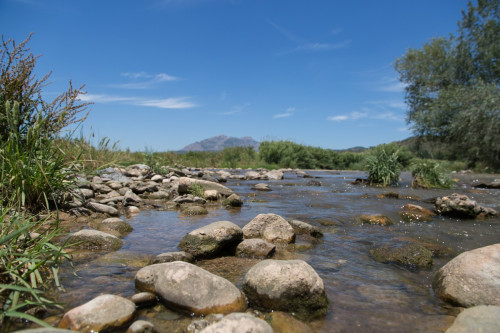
(453, 85)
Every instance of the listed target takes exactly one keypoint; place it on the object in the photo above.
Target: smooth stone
(193, 210)
(160, 195)
(184, 185)
(211, 195)
(100, 208)
(132, 210)
(261, 187)
(286, 285)
(275, 175)
(101, 188)
(270, 227)
(95, 239)
(102, 313)
(233, 200)
(282, 322)
(471, 278)
(212, 240)
(239, 322)
(145, 278)
(144, 298)
(255, 248)
(141, 326)
(481, 318)
(130, 198)
(173, 256)
(375, 219)
(303, 228)
(115, 224)
(187, 287)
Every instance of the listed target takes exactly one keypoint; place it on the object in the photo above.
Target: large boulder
(94, 240)
(275, 175)
(189, 288)
(461, 206)
(146, 277)
(270, 227)
(239, 322)
(472, 278)
(212, 240)
(482, 318)
(410, 255)
(286, 285)
(105, 312)
(184, 185)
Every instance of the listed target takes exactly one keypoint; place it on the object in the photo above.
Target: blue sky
(166, 73)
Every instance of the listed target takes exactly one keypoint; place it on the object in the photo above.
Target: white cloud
(282, 115)
(338, 118)
(370, 114)
(143, 80)
(236, 109)
(290, 109)
(165, 103)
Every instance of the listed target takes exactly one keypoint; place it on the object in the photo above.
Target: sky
(162, 74)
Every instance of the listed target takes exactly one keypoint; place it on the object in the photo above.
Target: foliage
(453, 85)
(383, 167)
(429, 174)
(19, 83)
(404, 155)
(196, 190)
(29, 261)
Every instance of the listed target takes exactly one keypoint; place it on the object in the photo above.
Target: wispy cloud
(282, 115)
(367, 114)
(391, 84)
(165, 103)
(143, 80)
(303, 45)
(236, 109)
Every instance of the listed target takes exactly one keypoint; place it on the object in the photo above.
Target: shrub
(429, 174)
(383, 168)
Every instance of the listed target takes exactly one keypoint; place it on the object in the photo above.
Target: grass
(429, 174)
(383, 168)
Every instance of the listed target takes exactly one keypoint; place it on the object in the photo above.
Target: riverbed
(365, 295)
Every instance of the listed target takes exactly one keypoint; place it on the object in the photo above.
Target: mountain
(219, 142)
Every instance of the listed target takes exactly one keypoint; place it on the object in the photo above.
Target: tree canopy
(453, 85)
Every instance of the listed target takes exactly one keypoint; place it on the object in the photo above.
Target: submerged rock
(271, 227)
(239, 322)
(189, 288)
(472, 278)
(482, 318)
(212, 240)
(282, 322)
(286, 285)
(104, 312)
(375, 219)
(415, 213)
(193, 210)
(408, 255)
(303, 228)
(173, 256)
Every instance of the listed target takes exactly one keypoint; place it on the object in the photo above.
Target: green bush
(429, 174)
(383, 168)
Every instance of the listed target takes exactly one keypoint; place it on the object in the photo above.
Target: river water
(365, 295)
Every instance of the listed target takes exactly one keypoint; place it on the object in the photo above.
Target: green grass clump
(383, 168)
(429, 174)
(197, 190)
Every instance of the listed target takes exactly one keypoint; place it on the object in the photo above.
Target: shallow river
(365, 295)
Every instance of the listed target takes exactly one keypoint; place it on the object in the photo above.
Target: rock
(115, 224)
(95, 240)
(100, 208)
(160, 195)
(261, 187)
(375, 219)
(187, 287)
(130, 198)
(286, 285)
(157, 178)
(233, 200)
(144, 299)
(141, 326)
(303, 174)
(270, 227)
(282, 322)
(459, 205)
(313, 183)
(193, 210)
(104, 312)
(303, 228)
(415, 213)
(255, 248)
(254, 175)
(83, 193)
(409, 255)
(187, 198)
(211, 195)
(184, 185)
(115, 185)
(212, 240)
(482, 318)
(132, 210)
(472, 278)
(111, 174)
(145, 278)
(140, 188)
(101, 188)
(173, 256)
(274, 175)
(494, 184)
(239, 322)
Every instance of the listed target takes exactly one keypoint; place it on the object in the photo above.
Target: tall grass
(383, 167)
(429, 174)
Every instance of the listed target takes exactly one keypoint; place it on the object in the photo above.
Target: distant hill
(219, 142)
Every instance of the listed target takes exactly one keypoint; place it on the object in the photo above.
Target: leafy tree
(453, 85)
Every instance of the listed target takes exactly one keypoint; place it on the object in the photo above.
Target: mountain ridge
(219, 142)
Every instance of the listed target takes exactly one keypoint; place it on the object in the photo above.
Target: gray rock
(184, 185)
(410, 255)
(104, 312)
(101, 188)
(140, 188)
(270, 227)
(173, 256)
(459, 205)
(472, 278)
(187, 198)
(94, 239)
(145, 278)
(141, 326)
(254, 175)
(115, 224)
(157, 178)
(255, 248)
(274, 175)
(233, 200)
(482, 318)
(303, 228)
(192, 210)
(83, 193)
(286, 285)
(314, 183)
(189, 288)
(261, 187)
(111, 174)
(131, 199)
(100, 208)
(160, 195)
(212, 240)
(212, 195)
(115, 185)
(144, 299)
(239, 322)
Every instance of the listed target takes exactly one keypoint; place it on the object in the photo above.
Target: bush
(429, 174)
(383, 168)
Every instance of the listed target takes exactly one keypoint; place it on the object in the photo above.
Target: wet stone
(412, 256)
